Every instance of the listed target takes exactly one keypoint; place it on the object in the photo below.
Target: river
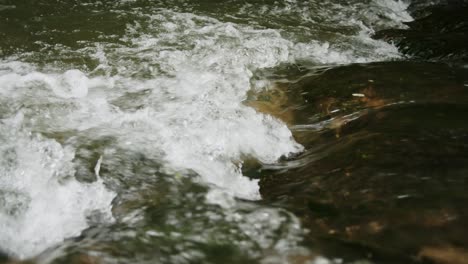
(138, 131)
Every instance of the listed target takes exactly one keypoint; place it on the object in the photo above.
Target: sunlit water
(126, 120)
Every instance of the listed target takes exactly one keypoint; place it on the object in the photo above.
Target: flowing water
(129, 131)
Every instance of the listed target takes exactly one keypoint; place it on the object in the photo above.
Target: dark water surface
(233, 131)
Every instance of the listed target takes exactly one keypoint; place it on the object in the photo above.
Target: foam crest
(41, 202)
(191, 116)
(396, 10)
(332, 32)
(71, 84)
(202, 123)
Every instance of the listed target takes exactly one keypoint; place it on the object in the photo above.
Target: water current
(125, 135)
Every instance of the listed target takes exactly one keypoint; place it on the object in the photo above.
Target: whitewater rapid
(172, 89)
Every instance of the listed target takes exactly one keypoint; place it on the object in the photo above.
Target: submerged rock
(444, 255)
(439, 32)
(329, 93)
(384, 176)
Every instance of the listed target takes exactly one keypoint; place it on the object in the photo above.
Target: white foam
(396, 10)
(202, 124)
(41, 202)
(193, 115)
(71, 84)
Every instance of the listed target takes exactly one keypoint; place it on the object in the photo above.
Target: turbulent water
(124, 128)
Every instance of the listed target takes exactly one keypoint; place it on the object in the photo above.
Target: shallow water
(137, 131)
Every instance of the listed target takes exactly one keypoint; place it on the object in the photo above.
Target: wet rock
(422, 8)
(444, 255)
(395, 179)
(384, 173)
(3, 257)
(337, 92)
(440, 32)
(82, 258)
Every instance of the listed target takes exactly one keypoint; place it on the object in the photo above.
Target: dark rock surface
(439, 32)
(384, 176)
(3, 257)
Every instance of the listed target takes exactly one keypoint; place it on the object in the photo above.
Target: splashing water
(168, 87)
